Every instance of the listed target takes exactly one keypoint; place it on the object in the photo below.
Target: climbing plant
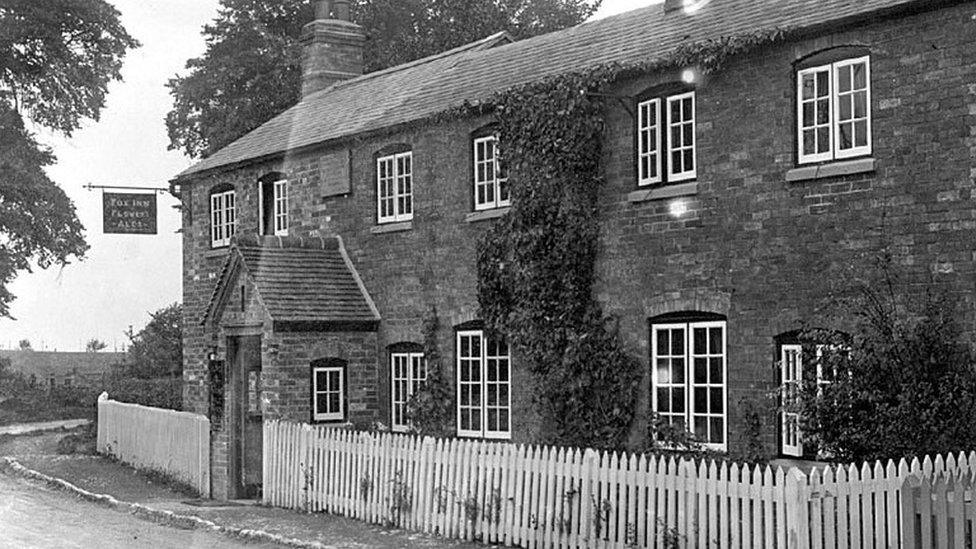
(430, 410)
(536, 266)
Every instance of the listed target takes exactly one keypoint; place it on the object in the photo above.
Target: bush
(903, 384)
(157, 393)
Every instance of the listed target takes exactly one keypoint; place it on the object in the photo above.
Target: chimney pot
(340, 10)
(673, 5)
(323, 9)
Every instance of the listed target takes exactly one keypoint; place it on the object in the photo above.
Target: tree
(56, 60)
(251, 70)
(157, 350)
(902, 383)
(94, 345)
(25, 345)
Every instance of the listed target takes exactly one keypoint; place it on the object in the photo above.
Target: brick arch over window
(820, 55)
(707, 301)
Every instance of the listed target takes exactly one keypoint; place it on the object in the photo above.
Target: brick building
(731, 200)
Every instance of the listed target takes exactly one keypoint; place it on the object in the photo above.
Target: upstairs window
(408, 370)
(328, 390)
(223, 217)
(666, 139)
(834, 110)
(394, 187)
(484, 369)
(490, 177)
(273, 205)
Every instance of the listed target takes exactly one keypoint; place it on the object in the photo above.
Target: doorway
(247, 429)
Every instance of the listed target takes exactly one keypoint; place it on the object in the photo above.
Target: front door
(791, 376)
(247, 425)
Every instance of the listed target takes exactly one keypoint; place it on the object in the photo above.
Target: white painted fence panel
(175, 443)
(531, 496)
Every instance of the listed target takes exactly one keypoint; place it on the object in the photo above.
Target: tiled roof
(44, 363)
(298, 280)
(426, 87)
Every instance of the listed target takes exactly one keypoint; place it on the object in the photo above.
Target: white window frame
(279, 199)
(791, 373)
(415, 366)
(833, 152)
(661, 133)
(339, 415)
(689, 384)
(400, 189)
(482, 384)
(223, 218)
(495, 182)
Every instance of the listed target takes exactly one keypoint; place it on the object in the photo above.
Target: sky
(124, 278)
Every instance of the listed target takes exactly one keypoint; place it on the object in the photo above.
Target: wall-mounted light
(678, 208)
(689, 76)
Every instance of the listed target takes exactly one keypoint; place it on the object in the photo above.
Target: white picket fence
(939, 511)
(532, 496)
(175, 443)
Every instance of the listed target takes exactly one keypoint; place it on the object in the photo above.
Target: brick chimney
(332, 47)
(673, 5)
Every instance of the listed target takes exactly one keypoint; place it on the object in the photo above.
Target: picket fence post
(796, 498)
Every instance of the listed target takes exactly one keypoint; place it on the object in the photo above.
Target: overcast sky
(124, 278)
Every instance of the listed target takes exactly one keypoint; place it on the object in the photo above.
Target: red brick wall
(759, 249)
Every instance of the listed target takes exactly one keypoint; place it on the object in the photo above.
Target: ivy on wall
(536, 266)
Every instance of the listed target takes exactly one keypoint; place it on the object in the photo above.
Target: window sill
(833, 169)
(482, 215)
(659, 193)
(216, 252)
(392, 227)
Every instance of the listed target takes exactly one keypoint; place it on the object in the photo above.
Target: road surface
(32, 515)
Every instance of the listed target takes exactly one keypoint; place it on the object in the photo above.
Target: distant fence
(548, 497)
(939, 511)
(175, 443)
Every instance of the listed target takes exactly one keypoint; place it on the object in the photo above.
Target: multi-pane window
(394, 187)
(274, 207)
(834, 110)
(490, 179)
(409, 371)
(223, 218)
(791, 381)
(689, 378)
(484, 368)
(328, 392)
(666, 139)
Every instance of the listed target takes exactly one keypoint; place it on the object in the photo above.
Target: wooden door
(247, 434)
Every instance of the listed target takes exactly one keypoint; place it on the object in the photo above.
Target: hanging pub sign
(129, 213)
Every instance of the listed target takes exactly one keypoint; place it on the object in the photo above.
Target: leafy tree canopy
(157, 350)
(56, 60)
(251, 70)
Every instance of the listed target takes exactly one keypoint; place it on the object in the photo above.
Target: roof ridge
(464, 48)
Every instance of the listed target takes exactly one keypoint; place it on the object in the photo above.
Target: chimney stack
(332, 47)
(673, 5)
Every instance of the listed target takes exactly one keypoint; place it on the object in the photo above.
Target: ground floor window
(688, 378)
(484, 368)
(328, 390)
(791, 379)
(409, 371)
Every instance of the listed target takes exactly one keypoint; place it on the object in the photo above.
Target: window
(666, 139)
(273, 205)
(834, 110)
(394, 187)
(483, 377)
(223, 218)
(490, 178)
(791, 381)
(409, 371)
(328, 390)
(689, 378)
